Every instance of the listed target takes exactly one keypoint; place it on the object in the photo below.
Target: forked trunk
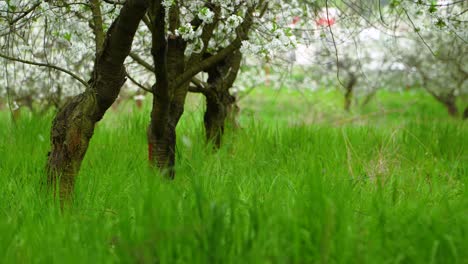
(173, 74)
(74, 124)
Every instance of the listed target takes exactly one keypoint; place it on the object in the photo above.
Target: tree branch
(98, 29)
(142, 62)
(25, 13)
(76, 77)
(114, 2)
(141, 86)
(242, 34)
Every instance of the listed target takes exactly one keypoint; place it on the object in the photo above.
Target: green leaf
(67, 36)
(440, 23)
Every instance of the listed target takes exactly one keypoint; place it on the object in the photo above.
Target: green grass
(302, 182)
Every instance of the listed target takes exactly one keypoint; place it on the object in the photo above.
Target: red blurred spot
(326, 21)
(296, 19)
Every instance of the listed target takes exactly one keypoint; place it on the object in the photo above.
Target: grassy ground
(302, 182)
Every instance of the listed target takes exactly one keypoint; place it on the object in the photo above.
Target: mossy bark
(74, 124)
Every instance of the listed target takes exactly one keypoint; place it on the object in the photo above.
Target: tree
(348, 51)
(436, 52)
(425, 38)
(220, 104)
(74, 124)
(42, 47)
(196, 37)
(175, 70)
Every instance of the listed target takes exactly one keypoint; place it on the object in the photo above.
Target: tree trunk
(219, 107)
(220, 104)
(168, 99)
(349, 92)
(173, 75)
(452, 108)
(74, 124)
(348, 100)
(465, 113)
(449, 101)
(368, 98)
(162, 135)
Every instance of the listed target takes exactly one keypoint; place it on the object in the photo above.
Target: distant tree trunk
(449, 101)
(452, 108)
(349, 92)
(368, 98)
(74, 124)
(465, 113)
(220, 104)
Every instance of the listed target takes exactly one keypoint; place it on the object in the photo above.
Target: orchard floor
(301, 182)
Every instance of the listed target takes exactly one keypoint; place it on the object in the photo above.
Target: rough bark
(97, 25)
(169, 58)
(74, 124)
(220, 104)
(168, 107)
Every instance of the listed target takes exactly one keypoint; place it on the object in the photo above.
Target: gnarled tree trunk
(220, 104)
(74, 124)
